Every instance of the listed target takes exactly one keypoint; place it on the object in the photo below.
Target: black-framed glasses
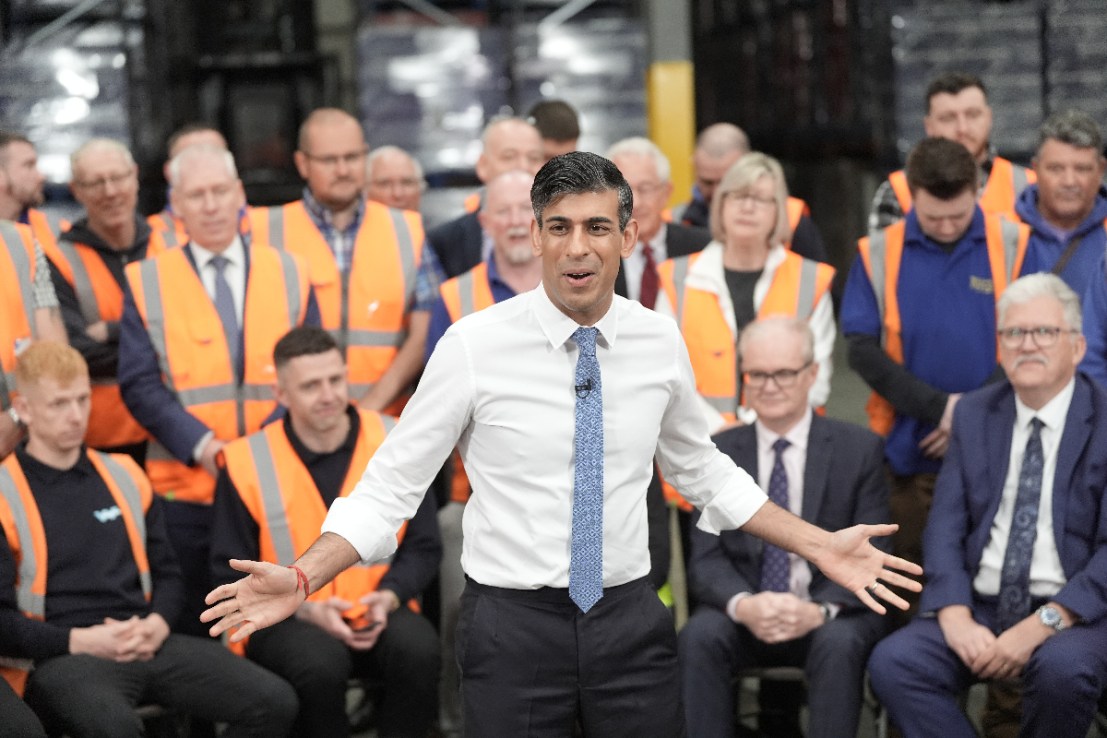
(1043, 336)
(784, 378)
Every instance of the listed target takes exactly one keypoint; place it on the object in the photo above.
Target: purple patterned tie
(586, 550)
(1014, 578)
(775, 568)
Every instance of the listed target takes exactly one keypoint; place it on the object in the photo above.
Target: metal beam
(61, 22)
(433, 12)
(562, 14)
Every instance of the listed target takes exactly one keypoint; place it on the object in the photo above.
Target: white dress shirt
(634, 266)
(707, 274)
(500, 386)
(234, 271)
(1047, 576)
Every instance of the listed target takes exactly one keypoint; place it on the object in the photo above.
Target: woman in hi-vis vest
(746, 273)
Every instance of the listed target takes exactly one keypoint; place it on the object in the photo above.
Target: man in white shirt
(549, 635)
(1016, 543)
(758, 605)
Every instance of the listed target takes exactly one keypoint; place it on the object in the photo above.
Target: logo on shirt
(981, 285)
(108, 514)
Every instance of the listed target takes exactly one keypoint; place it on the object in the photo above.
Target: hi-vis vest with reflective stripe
(17, 307)
(170, 227)
(46, 228)
(22, 524)
(1005, 183)
(99, 297)
(367, 307)
(882, 252)
(463, 295)
(283, 500)
(796, 288)
(194, 357)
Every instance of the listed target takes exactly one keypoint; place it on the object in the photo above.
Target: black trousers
(532, 664)
(17, 720)
(405, 659)
(89, 696)
(188, 526)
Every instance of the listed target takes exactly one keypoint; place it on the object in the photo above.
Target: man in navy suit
(1016, 543)
(758, 605)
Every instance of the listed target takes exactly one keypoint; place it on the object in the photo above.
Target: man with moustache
(394, 178)
(367, 262)
(1016, 544)
(509, 143)
(559, 623)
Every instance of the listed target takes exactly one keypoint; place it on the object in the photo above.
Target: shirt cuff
(354, 519)
(732, 605)
(733, 507)
(198, 449)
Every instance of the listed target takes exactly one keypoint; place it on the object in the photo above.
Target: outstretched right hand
(268, 595)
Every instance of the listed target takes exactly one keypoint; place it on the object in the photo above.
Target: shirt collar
(324, 218)
(974, 233)
(1052, 414)
(559, 327)
(796, 435)
(235, 254)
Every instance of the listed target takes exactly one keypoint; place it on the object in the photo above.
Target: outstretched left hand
(851, 561)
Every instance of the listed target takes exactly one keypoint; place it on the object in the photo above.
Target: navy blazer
(153, 405)
(843, 484)
(970, 486)
(679, 241)
(458, 244)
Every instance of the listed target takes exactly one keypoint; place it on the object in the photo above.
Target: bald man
(509, 143)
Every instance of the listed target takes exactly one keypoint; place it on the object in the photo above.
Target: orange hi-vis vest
(796, 288)
(194, 356)
(472, 201)
(22, 524)
(45, 227)
(283, 500)
(17, 307)
(170, 227)
(882, 252)
(367, 307)
(796, 209)
(464, 295)
(1005, 183)
(100, 298)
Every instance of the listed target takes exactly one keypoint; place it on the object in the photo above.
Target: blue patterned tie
(776, 572)
(224, 305)
(586, 552)
(1014, 579)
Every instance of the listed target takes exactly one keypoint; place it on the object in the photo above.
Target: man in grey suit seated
(759, 605)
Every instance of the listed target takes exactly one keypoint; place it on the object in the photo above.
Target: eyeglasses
(351, 159)
(1043, 336)
(784, 378)
(396, 184)
(648, 189)
(99, 185)
(748, 198)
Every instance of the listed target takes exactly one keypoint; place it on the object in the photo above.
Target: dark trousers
(713, 649)
(88, 696)
(919, 679)
(17, 720)
(405, 660)
(188, 527)
(909, 504)
(532, 664)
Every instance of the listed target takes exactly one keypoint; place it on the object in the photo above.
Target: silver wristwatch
(1051, 617)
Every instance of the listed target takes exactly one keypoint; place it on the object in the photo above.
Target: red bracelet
(301, 579)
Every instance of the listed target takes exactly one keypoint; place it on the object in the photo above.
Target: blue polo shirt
(947, 311)
(440, 317)
(1048, 243)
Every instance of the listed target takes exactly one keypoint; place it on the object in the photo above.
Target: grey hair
(198, 151)
(387, 149)
(641, 146)
(1073, 127)
(100, 144)
(1042, 284)
(782, 324)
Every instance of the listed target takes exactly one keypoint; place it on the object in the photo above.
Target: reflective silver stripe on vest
(722, 404)
(406, 247)
(224, 393)
(25, 596)
(82, 285)
(9, 234)
(1019, 179)
(155, 317)
(878, 250)
(376, 339)
(805, 304)
(359, 389)
(170, 238)
(465, 290)
(276, 516)
(131, 494)
(680, 275)
(1010, 234)
(275, 216)
(291, 287)
(53, 224)
(389, 423)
